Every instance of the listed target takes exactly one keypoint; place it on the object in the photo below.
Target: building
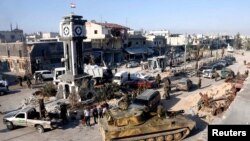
(14, 57)
(106, 41)
(136, 47)
(23, 58)
(12, 36)
(157, 43)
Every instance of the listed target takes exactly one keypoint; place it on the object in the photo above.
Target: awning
(139, 50)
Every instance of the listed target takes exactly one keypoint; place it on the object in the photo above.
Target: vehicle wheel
(10, 125)
(39, 128)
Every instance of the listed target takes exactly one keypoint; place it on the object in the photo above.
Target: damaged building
(105, 42)
(22, 58)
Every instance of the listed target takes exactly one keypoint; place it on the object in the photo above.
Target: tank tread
(174, 135)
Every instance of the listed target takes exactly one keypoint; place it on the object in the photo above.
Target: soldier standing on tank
(199, 82)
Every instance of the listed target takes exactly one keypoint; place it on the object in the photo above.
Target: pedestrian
(104, 110)
(199, 82)
(20, 80)
(87, 116)
(100, 112)
(36, 78)
(29, 82)
(95, 114)
(129, 76)
(158, 80)
(6, 84)
(63, 113)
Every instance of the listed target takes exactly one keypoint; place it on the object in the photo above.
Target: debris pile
(212, 105)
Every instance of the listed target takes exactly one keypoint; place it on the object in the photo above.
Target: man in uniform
(216, 75)
(166, 90)
(158, 80)
(160, 110)
(199, 82)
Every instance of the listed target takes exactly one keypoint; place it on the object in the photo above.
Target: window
(144, 42)
(155, 43)
(20, 115)
(20, 53)
(95, 31)
(136, 43)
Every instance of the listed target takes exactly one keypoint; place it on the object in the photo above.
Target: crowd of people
(95, 112)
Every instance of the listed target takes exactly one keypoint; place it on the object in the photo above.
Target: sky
(177, 16)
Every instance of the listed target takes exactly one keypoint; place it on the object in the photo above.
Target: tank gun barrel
(174, 113)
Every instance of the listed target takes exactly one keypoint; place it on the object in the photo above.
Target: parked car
(184, 84)
(3, 89)
(140, 83)
(209, 73)
(44, 74)
(226, 73)
(132, 64)
(218, 66)
(202, 68)
(27, 117)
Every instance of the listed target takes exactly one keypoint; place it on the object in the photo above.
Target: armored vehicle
(138, 123)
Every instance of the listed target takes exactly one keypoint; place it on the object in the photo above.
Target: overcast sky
(178, 16)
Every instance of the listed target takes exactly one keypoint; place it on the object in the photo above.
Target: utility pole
(185, 53)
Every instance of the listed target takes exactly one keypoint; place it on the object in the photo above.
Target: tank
(137, 124)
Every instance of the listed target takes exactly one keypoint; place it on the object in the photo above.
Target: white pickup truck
(27, 117)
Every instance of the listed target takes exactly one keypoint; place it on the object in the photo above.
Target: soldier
(158, 80)
(199, 83)
(246, 72)
(216, 75)
(160, 110)
(166, 93)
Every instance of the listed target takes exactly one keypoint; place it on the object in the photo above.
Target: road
(74, 132)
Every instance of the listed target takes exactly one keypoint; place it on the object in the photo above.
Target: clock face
(78, 30)
(66, 31)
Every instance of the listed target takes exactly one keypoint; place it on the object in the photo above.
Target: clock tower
(72, 33)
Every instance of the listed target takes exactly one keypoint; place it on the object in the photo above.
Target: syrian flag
(72, 5)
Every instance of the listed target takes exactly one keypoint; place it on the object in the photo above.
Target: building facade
(24, 58)
(106, 40)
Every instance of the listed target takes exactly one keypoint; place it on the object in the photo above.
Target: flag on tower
(72, 5)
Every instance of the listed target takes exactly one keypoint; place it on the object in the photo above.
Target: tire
(39, 129)
(9, 125)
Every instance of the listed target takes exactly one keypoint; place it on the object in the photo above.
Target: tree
(237, 41)
(247, 44)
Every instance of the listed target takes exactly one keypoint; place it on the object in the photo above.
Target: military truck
(27, 117)
(140, 122)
